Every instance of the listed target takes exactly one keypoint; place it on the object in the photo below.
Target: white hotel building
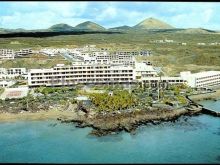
(62, 75)
(201, 79)
(6, 54)
(101, 67)
(153, 81)
(6, 83)
(10, 73)
(11, 54)
(95, 73)
(104, 58)
(23, 52)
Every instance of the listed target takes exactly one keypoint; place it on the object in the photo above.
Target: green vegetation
(173, 57)
(196, 31)
(178, 88)
(1, 90)
(149, 100)
(34, 62)
(118, 101)
(49, 90)
(113, 99)
(182, 99)
(167, 100)
(176, 93)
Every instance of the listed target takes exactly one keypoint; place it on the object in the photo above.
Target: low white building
(214, 43)
(7, 83)
(134, 53)
(145, 53)
(23, 52)
(6, 54)
(104, 58)
(158, 41)
(142, 70)
(153, 81)
(201, 43)
(8, 73)
(202, 79)
(168, 41)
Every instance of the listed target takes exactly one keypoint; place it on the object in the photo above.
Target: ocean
(189, 140)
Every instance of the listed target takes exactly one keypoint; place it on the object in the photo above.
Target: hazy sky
(39, 15)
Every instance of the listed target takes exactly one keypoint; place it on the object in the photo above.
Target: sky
(43, 14)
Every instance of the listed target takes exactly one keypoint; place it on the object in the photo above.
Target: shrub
(121, 99)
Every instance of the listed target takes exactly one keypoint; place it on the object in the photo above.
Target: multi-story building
(134, 53)
(202, 79)
(155, 81)
(146, 53)
(23, 52)
(144, 70)
(104, 57)
(84, 73)
(62, 75)
(7, 54)
(7, 73)
(6, 83)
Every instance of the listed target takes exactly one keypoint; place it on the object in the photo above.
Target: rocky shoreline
(103, 123)
(111, 123)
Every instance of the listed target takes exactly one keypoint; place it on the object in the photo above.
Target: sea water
(189, 140)
(211, 104)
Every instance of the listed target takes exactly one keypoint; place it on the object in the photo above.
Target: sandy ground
(215, 95)
(42, 115)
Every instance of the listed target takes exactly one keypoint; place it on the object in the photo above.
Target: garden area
(111, 98)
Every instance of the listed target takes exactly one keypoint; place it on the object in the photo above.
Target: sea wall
(210, 112)
(204, 109)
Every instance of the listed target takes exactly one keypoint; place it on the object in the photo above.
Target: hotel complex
(202, 79)
(11, 73)
(7, 54)
(91, 65)
(80, 73)
(11, 54)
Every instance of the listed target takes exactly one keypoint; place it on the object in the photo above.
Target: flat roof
(205, 73)
(144, 67)
(162, 78)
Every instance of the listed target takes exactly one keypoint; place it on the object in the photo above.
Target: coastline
(128, 121)
(206, 96)
(40, 115)
(104, 124)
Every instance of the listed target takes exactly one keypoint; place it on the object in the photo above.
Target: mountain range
(147, 24)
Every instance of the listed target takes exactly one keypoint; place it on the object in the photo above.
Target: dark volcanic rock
(128, 121)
